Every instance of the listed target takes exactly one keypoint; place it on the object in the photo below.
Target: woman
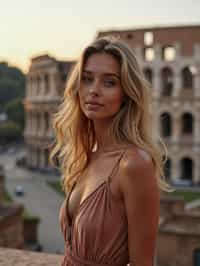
(110, 162)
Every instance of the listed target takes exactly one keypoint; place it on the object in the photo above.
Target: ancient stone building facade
(11, 220)
(44, 90)
(179, 233)
(170, 59)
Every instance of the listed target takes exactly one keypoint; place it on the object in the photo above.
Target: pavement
(39, 199)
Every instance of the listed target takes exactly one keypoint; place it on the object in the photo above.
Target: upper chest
(91, 182)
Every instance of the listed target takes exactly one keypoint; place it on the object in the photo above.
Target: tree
(9, 131)
(15, 111)
(12, 83)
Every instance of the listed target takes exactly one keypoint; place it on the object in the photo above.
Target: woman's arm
(142, 203)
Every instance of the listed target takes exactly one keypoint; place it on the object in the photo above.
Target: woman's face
(100, 92)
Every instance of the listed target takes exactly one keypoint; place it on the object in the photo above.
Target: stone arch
(167, 81)
(46, 83)
(187, 123)
(165, 124)
(148, 74)
(187, 78)
(186, 167)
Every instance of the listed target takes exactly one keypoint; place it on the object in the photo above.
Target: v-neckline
(71, 220)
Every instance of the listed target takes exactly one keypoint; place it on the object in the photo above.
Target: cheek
(116, 100)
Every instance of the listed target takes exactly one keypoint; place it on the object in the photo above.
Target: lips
(94, 103)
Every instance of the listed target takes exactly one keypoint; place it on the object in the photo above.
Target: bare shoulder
(141, 198)
(136, 168)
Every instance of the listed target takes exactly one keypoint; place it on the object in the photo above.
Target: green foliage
(56, 185)
(188, 195)
(12, 91)
(12, 83)
(9, 131)
(6, 195)
(15, 111)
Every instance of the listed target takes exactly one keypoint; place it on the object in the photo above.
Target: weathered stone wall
(13, 257)
(11, 226)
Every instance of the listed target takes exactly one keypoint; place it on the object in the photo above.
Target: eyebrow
(104, 74)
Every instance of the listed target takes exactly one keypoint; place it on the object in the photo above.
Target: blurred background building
(170, 59)
(45, 85)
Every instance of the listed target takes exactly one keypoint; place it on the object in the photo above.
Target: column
(158, 53)
(53, 84)
(196, 177)
(196, 125)
(175, 169)
(177, 84)
(197, 82)
(175, 127)
(156, 84)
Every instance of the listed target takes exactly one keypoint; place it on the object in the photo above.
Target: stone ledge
(16, 257)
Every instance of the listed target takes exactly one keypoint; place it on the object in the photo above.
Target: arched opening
(46, 83)
(148, 74)
(167, 82)
(187, 169)
(165, 125)
(187, 124)
(187, 78)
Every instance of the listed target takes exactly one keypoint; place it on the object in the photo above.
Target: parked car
(19, 190)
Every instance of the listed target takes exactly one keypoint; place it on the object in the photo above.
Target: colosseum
(170, 60)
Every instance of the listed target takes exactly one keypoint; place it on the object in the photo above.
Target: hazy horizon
(62, 28)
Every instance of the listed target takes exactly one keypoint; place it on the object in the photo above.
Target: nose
(94, 88)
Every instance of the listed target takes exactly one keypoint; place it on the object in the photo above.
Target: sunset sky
(63, 28)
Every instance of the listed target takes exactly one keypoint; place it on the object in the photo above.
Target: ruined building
(170, 59)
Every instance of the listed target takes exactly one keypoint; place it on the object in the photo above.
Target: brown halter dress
(98, 233)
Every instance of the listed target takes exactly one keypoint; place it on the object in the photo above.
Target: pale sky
(63, 28)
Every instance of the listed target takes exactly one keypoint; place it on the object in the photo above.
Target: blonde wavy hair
(75, 135)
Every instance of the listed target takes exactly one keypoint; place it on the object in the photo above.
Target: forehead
(102, 63)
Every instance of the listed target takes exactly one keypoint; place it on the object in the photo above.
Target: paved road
(39, 199)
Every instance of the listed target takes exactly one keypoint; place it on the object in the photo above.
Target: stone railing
(16, 257)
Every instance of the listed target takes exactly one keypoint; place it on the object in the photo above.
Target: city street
(39, 199)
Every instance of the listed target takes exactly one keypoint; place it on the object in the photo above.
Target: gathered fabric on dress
(98, 233)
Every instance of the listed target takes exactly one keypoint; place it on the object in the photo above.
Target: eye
(109, 83)
(86, 78)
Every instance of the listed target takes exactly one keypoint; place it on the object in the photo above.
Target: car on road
(19, 190)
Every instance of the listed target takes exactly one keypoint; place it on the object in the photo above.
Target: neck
(104, 141)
